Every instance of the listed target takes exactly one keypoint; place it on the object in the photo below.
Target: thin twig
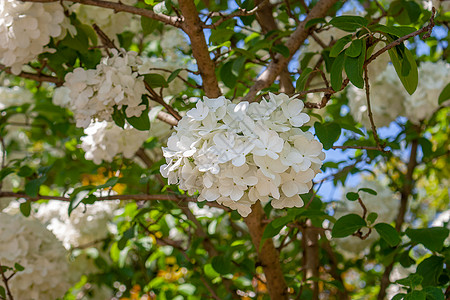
(369, 109)
(5, 281)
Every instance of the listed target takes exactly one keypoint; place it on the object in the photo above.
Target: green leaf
(352, 128)
(282, 49)
(140, 123)
(336, 72)
(434, 293)
(430, 269)
(301, 81)
(416, 295)
(367, 190)
(432, 238)
(271, 230)
(355, 48)
(18, 267)
(221, 265)
(155, 80)
(352, 196)
(398, 31)
(349, 23)
(445, 94)
(25, 171)
(401, 63)
(328, 133)
(186, 289)
(210, 272)
(314, 21)
(347, 225)
(354, 71)
(2, 292)
(372, 217)
(148, 25)
(427, 147)
(388, 233)
(118, 117)
(227, 76)
(411, 281)
(398, 297)
(173, 75)
(25, 208)
(78, 195)
(339, 45)
(32, 186)
(109, 183)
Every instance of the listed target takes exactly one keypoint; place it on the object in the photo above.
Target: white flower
(105, 140)
(28, 243)
(268, 143)
(292, 111)
(14, 96)
(85, 224)
(296, 183)
(389, 98)
(25, 28)
(113, 84)
(110, 23)
(237, 154)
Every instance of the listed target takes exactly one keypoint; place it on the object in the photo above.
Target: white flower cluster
(30, 244)
(25, 28)
(85, 224)
(14, 96)
(385, 204)
(386, 97)
(104, 140)
(110, 22)
(389, 98)
(114, 82)
(236, 154)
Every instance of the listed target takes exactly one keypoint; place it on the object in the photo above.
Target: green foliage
(347, 225)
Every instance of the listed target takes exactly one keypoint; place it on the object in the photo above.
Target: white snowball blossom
(14, 96)
(111, 23)
(385, 204)
(114, 82)
(28, 243)
(85, 224)
(389, 98)
(25, 28)
(104, 140)
(236, 154)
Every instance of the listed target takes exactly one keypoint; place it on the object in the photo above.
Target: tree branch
(293, 44)
(118, 7)
(139, 197)
(192, 26)
(311, 263)
(5, 281)
(238, 13)
(265, 18)
(397, 42)
(268, 256)
(405, 193)
(35, 77)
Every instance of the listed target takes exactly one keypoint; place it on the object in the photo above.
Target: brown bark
(310, 240)
(294, 42)
(268, 256)
(193, 28)
(267, 22)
